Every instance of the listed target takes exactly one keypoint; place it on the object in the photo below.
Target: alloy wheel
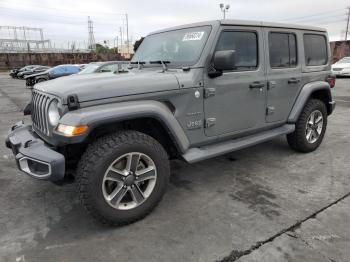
(314, 126)
(129, 181)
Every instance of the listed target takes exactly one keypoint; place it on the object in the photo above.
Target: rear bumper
(33, 156)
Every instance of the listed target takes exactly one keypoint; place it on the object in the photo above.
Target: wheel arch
(150, 117)
(318, 90)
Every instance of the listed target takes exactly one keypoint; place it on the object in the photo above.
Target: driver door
(235, 101)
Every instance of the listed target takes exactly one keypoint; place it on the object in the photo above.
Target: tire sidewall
(317, 105)
(97, 174)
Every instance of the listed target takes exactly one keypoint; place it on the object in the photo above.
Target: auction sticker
(193, 36)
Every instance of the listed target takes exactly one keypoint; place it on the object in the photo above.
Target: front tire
(122, 177)
(310, 127)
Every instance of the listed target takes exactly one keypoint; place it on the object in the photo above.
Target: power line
(312, 15)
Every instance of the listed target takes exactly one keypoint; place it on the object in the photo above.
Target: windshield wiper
(163, 63)
(138, 63)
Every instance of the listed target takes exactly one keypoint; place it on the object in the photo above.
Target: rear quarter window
(315, 48)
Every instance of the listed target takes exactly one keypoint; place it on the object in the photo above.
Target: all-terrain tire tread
(96, 151)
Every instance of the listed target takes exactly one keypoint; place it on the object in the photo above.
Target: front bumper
(33, 156)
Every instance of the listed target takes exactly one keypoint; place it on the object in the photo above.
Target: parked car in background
(15, 72)
(32, 71)
(102, 67)
(52, 73)
(342, 67)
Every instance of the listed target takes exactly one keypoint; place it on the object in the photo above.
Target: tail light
(331, 80)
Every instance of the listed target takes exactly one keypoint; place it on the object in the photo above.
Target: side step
(197, 154)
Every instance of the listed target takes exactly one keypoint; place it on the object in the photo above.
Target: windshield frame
(175, 64)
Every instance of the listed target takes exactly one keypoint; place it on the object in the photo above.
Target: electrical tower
(91, 38)
(23, 39)
(347, 25)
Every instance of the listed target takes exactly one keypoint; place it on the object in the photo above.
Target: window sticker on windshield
(193, 36)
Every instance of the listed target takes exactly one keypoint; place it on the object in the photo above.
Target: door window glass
(282, 50)
(315, 47)
(245, 45)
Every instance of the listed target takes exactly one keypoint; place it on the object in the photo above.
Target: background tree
(138, 43)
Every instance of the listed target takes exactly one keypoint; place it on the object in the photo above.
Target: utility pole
(91, 37)
(121, 38)
(127, 32)
(347, 25)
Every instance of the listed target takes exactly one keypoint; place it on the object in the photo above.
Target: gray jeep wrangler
(191, 92)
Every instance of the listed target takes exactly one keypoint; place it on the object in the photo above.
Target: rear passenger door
(283, 72)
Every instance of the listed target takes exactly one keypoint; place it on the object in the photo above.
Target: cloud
(67, 21)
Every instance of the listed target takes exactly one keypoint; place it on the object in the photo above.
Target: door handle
(293, 80)
(256, 85)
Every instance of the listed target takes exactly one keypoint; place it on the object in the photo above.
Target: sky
(65, 21)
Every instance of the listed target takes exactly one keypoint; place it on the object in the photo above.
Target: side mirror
(224, 60)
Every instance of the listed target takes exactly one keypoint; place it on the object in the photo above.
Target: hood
(37, 74)
(107, 85)
(341, 65)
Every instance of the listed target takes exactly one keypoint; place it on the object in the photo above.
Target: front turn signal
(71, 130)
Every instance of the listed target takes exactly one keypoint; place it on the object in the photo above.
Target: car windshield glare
(89, 69)
(344, 60)
(181, 47)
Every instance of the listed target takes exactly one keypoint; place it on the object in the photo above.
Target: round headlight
(54, 114)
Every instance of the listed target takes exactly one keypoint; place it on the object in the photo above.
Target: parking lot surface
(265, 203)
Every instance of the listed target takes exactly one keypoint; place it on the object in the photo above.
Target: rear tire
(111, 175)
(310, 127)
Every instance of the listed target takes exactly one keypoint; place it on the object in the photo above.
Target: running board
(201, 153)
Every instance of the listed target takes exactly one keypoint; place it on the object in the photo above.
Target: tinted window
(245, 45)
(315, 47)
(282, 50)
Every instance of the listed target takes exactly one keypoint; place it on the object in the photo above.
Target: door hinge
(271, 84)
(210, 91)
(270, 110)
(209, 122)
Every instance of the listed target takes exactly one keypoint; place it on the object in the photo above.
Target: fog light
(71, 130)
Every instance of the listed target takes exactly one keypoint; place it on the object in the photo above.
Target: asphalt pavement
(265, 203)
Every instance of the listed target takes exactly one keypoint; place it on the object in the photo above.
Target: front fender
(304, 96)
(95, 116)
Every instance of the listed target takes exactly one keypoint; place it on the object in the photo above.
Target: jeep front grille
(40, 105)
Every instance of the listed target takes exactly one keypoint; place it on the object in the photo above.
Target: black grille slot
(40, 105)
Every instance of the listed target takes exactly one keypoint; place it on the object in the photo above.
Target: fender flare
(304, 95)
(96, 116)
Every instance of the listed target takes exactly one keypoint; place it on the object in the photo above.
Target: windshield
(181, 47)
(89, 69)
(344, 60)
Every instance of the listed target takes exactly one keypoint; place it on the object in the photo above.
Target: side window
(315, 47)
(282, 50)
(245, 45)
(109, 68)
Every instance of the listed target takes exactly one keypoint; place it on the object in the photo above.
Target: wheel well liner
(319, 90)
